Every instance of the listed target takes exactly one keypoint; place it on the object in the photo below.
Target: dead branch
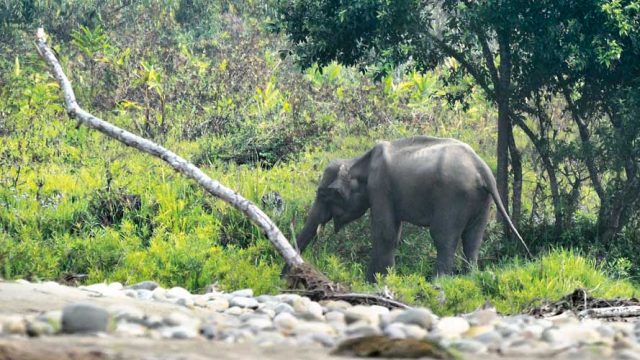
(610, 312)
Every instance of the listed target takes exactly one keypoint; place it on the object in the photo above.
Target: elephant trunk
(318, 215)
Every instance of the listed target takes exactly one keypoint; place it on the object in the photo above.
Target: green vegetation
(210, 80)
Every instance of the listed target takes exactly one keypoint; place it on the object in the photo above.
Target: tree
(491, 40)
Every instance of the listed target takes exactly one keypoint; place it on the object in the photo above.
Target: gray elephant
(426, 181)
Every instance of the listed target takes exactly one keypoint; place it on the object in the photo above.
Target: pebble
(244, 302)
(290, 319)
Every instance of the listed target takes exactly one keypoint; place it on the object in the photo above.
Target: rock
(483, 317)
(39, 328)
(186, 302)
(334, 316)
(244, 302)
(178, 292)
(179, 319)
(333, 305)
(469, 346)
(285, 322)
(414, 331)
(127, 313)
(235, 311)
(200, 301)
(451, 327)
(362, 328)
(571, 333)
(22, 281)
(263, 299)
(324, 339)
(265, 311)
(53, 318)
(144, 285)
(395, 331)
(418, 316)
(209, 331)
(84, 318)
(219, 305)
(490, 337)
(370, 314)
(627, 354)
(116, 286)
(103, 289)
(131, 293)
(243, 293)
(269, 338)
(14, 325)
(313, 312)
(153, 321)
(259, 323)
(179, 332)
(313, 327)
(144, 294)
(130, 329)
(159, 294)
(283, 307)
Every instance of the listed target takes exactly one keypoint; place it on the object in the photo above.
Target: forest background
(263, 94)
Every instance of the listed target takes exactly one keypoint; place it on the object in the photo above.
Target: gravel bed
(289, 319)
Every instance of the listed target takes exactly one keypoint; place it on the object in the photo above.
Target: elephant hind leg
(472, 238)
(446, 239)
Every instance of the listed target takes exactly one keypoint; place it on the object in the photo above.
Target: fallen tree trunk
(316, 285)
(610, 312)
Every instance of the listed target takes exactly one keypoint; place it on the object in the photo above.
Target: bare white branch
(181, 165)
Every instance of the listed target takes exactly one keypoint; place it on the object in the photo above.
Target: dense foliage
(215, 83)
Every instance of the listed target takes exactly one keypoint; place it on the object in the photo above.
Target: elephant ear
(342, 183)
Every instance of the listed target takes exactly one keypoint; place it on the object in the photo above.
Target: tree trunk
(516, 168)
(504, 125)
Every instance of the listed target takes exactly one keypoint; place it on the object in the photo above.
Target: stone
(285, 322)
(265, 311)
(313, 327)
(186, 302)
(14, 325)
(395, 331)
(102, 289)
(39, 328)
(244, 302)
(490, 337)
(469, 346)
(413, 331)
(219, 305)
(313, 312)
(144, 285)
(269, 338)
(418, 316)
(53, 318)
(144, 294)
(483, 317)
(179, 332)
(179, 319)
(127, 313)
(283, 307)
(235, 311)
(200, 301)
(263, 299)
(324, 339)
(370, 314)
(153, 321)
(334, 316)
(116, 286)
(243, 293)
(336, 305)
(130, 329)
(361, 329)
(209, 331)
(451, 327)
(177, 292)
(572, 333)
(627, 354)
(259, 323)
(159, 294)
(84, 318)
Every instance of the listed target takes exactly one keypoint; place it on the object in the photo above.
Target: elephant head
(341, 196)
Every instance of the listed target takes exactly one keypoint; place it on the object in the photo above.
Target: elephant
(438, 183)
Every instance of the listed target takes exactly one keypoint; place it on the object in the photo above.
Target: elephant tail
(493, 190)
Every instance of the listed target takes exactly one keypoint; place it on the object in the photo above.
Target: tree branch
(181, 165)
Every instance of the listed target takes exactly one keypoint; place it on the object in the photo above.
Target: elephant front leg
(385, 231)
(446, 238)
